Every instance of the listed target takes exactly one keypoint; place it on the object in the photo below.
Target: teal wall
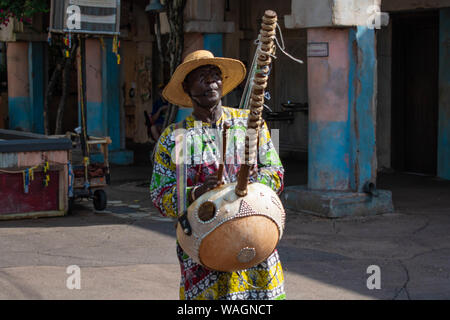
(214, 43)
(111, 94)
(444, 95)
(105, 116)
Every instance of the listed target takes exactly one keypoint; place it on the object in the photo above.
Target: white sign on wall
(317, 49)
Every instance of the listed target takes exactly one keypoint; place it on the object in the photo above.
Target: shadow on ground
(322, 258)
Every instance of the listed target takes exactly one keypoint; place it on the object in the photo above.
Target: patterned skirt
(264, 281)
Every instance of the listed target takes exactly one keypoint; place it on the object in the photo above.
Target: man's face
(204, 86)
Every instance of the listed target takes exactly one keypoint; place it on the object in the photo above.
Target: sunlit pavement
(128, 251)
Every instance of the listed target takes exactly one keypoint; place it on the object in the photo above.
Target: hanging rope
(282, 47)
(245, 99)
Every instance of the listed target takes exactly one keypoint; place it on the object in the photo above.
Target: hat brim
(233, 72)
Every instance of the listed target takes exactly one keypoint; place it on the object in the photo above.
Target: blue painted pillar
(329, 127)
(362, 107)
(443, 165)
(342, 122)
(19, 107)
(111, 79)
(342, 110)
(111, 94)
(25, 64)
(95, 110)
(104, 100)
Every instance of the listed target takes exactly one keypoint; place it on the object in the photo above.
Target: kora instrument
(238, 225)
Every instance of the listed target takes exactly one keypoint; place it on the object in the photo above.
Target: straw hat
(233, 72)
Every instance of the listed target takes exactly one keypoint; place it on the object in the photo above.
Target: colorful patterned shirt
(264, 281)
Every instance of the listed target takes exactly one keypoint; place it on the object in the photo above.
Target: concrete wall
(329, 143)
(193, 41)
(316, 13)
(20, 113)
(136, 71)
(362, 104)
(288, 79)
(342, 90)
(402, 5)
(95, 112)
(384, 51)
(204, 16)
(309, 13)
(330, 13)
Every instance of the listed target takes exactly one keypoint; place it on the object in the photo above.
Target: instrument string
(245, 99)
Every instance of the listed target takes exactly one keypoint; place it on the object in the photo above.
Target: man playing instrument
(200, 82)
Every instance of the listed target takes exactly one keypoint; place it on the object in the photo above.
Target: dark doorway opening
(415, 65)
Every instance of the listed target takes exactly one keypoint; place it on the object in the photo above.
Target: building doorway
(415, 65)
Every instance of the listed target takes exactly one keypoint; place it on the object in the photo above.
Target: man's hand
(210, 183)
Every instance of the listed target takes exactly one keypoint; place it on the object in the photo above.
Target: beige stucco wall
(341, 13)
(202, 16)
(18, 81)
(330, 13)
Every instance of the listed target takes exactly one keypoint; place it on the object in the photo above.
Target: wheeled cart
(88, 180)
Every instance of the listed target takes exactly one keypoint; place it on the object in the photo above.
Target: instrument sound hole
(207, 211)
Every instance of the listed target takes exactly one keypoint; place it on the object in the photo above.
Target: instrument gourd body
(231, 233)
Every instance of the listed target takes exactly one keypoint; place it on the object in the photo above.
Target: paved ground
(128, 251)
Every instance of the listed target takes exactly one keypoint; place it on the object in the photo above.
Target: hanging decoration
(28, 174)
(26, 180)
(49, 38)
(71, 178)
(116, 47)
(102, 43)
(46, 174)
(86, 174)
(67, 40)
